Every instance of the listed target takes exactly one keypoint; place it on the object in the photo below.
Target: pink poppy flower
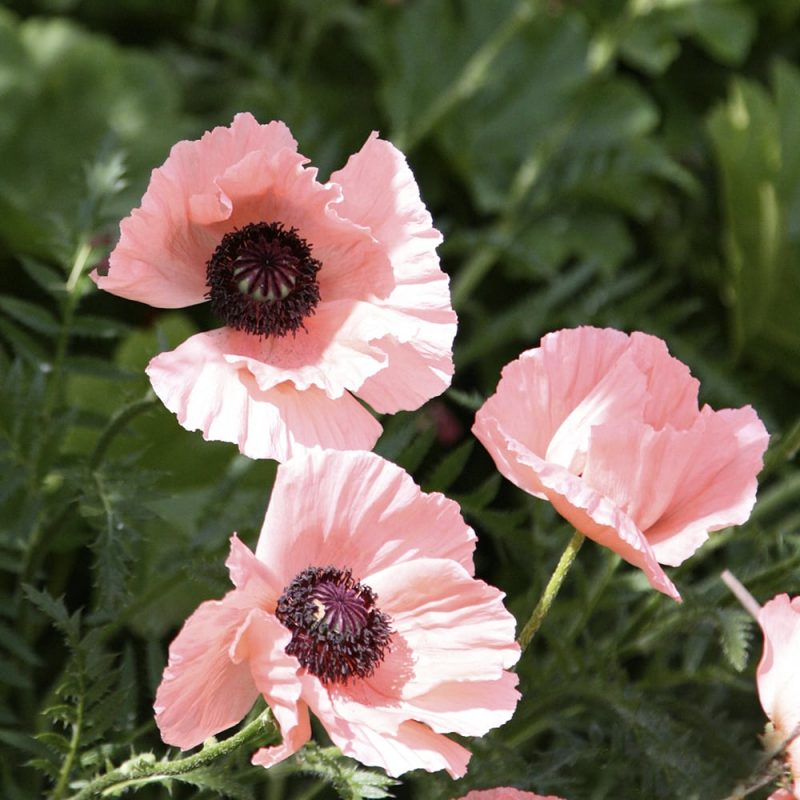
(776, 678)
(360, 606)
(506, 793)
(328, 292)
(606, 427)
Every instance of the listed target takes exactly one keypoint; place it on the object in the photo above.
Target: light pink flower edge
(777, 676)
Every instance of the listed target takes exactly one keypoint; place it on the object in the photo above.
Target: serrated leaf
(54, 608)
(61, 712)
(50, 769)
(218, 781)
(30, 315)
(54, 741)
(735, 631)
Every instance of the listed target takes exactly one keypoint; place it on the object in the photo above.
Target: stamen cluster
(262, 279)
(337, 631)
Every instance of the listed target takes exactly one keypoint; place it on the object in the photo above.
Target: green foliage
(73, 97)
(92, 697)
(754, 138)
(629, 163)
(350, 781)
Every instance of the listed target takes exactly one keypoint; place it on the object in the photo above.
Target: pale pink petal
(367, 514)
(294, 737)
(776, 676)
(671, 389)
(778, 687)
(203, 691)
(440, 612)
(251, 577)
(719, 482)
(541, 388)
(592, 513)
(413, 746)
(162, 252)
(335, 352)
(597, 517)
(281, 189)
(677, 485)
(783, 794)
(471, 708)
(619, 394)
(419, 354)
(261, 643)
(504, 447)
(223, 400)
(380, 193)
(505, 793)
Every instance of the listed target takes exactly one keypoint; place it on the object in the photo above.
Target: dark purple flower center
(262, 279)
(337, 631)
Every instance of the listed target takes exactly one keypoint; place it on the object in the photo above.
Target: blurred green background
(625, 163)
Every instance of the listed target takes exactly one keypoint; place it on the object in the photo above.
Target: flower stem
(551, 590)
(144, 768)
(69, 760)
(70, 304)
(749, 603)
(118, 423)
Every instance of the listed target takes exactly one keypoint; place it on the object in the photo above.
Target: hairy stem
(551, 590)
(144, 769)
(74, 744)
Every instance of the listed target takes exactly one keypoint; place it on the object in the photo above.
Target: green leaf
(442, 477)
(350, 781)
(650, 33)
(45, 276)
(512, 124)
(30, 315)
(55, 609)
(735, 632)
(753, 138)
(22, 344)
(99, 98)
(98, 327)
(54, 741)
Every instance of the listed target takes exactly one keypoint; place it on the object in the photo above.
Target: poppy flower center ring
(338, 633)
(262, 279)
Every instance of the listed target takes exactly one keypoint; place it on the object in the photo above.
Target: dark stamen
(337, 632)
(262, 279)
